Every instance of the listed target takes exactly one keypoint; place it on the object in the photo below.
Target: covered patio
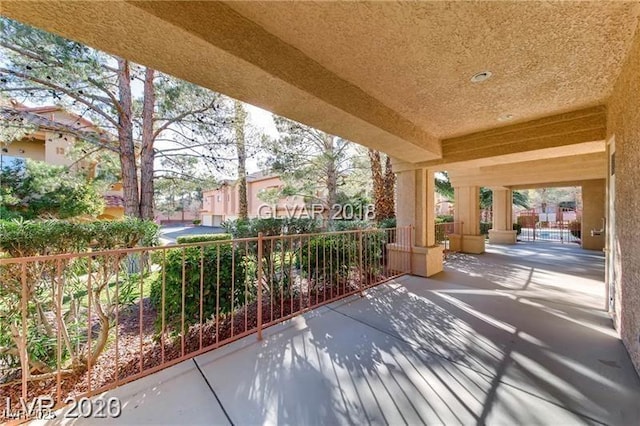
(517, 336)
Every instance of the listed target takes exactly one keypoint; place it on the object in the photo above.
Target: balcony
(516, 336)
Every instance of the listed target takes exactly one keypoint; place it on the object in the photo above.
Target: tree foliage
(44, 190)
(312, 163)
(171, 117)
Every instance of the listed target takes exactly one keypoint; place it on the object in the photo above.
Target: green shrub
(484, 227)
(390, 222)
(31, 238)
(328, 256)
(518, 228)
(201, 238)
(349, 225)
(42, 237)
(301, 226)
(444, 218)
(42, 189)
(247, 228)
(197, 221)
(221, 263)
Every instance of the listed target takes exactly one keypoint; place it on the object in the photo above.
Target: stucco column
(593, 212)
(502, 231)
(416, 207)
(467, 214)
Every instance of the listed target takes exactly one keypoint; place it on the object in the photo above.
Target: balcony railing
(443, 230)
(78, 324)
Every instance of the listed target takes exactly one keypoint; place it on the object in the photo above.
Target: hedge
(44, 237)
(231, 264)
(247, 228)
(201, 238)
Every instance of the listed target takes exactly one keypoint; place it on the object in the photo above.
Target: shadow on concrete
(500, 338)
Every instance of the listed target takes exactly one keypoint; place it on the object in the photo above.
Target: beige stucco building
(222, 203)
(50, 143)
(506, 95)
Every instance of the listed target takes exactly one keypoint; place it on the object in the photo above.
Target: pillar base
(502, 237)
(425, 262)
(473, 244)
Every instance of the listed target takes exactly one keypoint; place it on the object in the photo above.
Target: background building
(51, 143)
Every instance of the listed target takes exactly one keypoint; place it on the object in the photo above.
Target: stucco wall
(593, 202)
(624, 125)
(26, 148)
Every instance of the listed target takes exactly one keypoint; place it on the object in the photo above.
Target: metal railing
(78, 324)
(443, 230)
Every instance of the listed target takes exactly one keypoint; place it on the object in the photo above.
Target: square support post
(416, 206)
(502, 232)
(467, 211)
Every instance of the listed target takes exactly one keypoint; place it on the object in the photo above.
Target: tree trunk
(378, 184)
(389, 190)
(239, 122)
(332, 172)
(147, 153)
(125, 139)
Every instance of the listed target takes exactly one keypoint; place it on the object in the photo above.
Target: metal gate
(563, 225)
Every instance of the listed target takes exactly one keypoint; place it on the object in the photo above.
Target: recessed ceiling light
(505, 117)
(481, 76)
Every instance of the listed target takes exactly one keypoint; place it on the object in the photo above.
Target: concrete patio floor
(515, 336)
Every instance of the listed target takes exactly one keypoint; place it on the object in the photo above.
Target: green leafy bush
(201, 238)
(301, 226)
(390, 222)
(221, 265)
(75, 277)
(518, 228)
(349, 225)
(329, 256)
(42, 189)
(197, 222)
(20, 238)
(248, 228)
(444, 218)
(484, 227)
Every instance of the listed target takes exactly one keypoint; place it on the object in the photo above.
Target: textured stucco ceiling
(417, 58)
(393, 76)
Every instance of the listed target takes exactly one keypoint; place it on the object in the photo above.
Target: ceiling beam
(534, 173)
(577, 132)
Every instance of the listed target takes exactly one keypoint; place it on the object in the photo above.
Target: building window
(218, 198)
(59, 150)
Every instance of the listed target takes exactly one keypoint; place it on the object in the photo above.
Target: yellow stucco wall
(593, 211)
(26, 148)
(624, 126)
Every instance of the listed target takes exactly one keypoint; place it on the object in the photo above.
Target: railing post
(411, 232)
(360, 262)
(23, 349)
(259, 314)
